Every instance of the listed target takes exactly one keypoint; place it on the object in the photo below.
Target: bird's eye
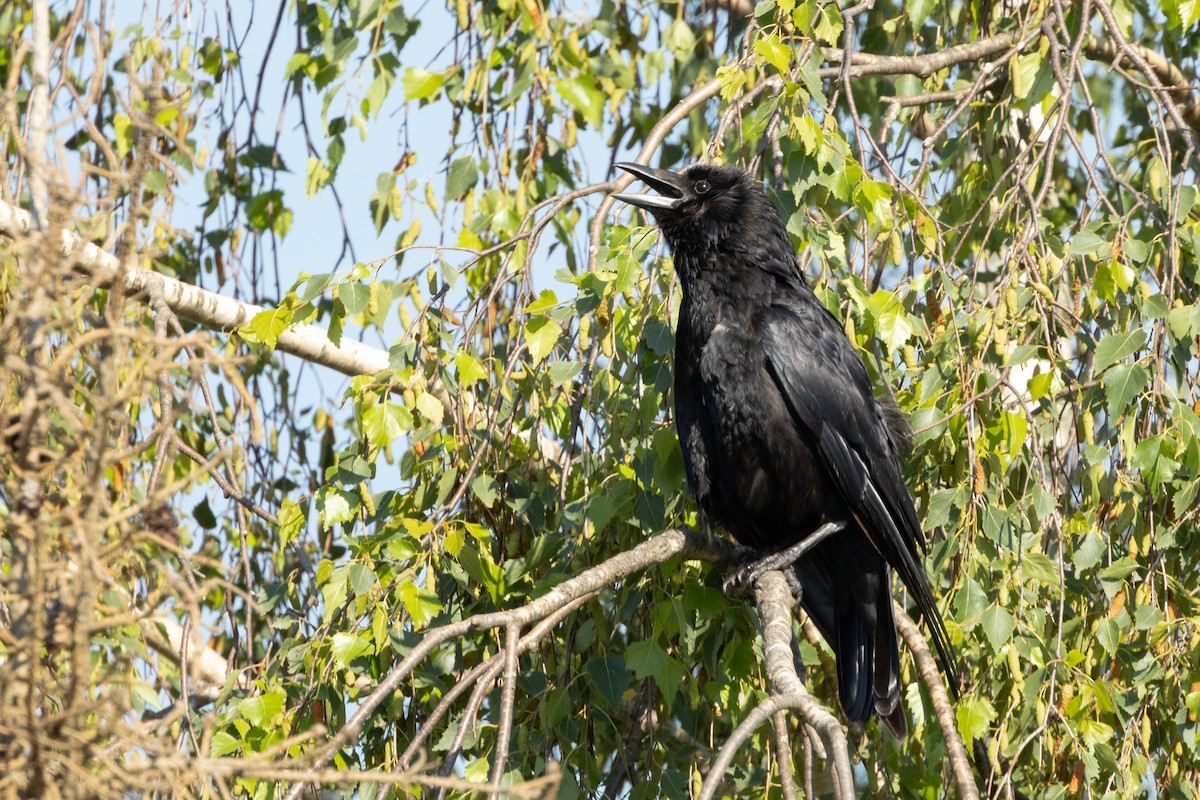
(702, 187)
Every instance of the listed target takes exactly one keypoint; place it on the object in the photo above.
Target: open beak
(668, 184)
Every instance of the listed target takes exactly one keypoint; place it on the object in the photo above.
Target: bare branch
(212, 310)
(920, 65)
(512, 642)
(783, 756)
(931, 677)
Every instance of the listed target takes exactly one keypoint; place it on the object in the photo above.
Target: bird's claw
(743, 578)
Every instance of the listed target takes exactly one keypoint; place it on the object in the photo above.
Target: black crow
(784, 442)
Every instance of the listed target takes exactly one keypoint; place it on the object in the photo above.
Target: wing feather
(832, 399)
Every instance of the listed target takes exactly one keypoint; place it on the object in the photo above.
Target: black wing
(828, 392)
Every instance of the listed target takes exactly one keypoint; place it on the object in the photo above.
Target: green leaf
(1146, 617)
(998, 624)
(156, 181)
(585, 97)
(361, 579)
(1122, 383)
(266, 211)
(486, 488)
(610, 678)
(1137, 250)
(1087, 243)
(647, 659)
(809, 133)
(259, 711)
(892, 325)
(477, 771)
(1022, 71)
(291, 522)
(317, 176)
(470, 371)
(266, 326)
(1113, 275)
(1193, 703)
(355, 297)
(224, 743)
(1088, 553)
(461, 177)
(679, 39)
(974, 714)
(773, 52)
(422, 605)
(346, 647)
(420, 84)
(1181, 14)
(386, 422)
(1040, 568)
(1108, 634)
(970, 603)
(334, 506)
(828, 24)
(1117, 346)
(1184, 321)
(541, 334)
(204, 516)
(918, 11)
(562, 372)
(431, 408)
(334, 592)
(123, 126)
(555, 708)
(1115, 574)
(1154, 457)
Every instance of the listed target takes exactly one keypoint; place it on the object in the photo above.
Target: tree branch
(39, 115)
(1164, 76)
(775, 601)
(652, 551)
(1180, 97)
(220, 313)
(920, 65)
(931, 677)
(212, 310)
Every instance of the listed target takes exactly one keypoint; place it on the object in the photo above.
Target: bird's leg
(747, 574)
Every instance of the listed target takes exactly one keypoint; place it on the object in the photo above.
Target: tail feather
(887, 669)
(856, 620)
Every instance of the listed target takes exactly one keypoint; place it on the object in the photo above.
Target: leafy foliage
(1010, 237)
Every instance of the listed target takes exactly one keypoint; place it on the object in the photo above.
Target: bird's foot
(742, 579)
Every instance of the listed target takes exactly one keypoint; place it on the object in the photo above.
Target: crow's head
(699, 203)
